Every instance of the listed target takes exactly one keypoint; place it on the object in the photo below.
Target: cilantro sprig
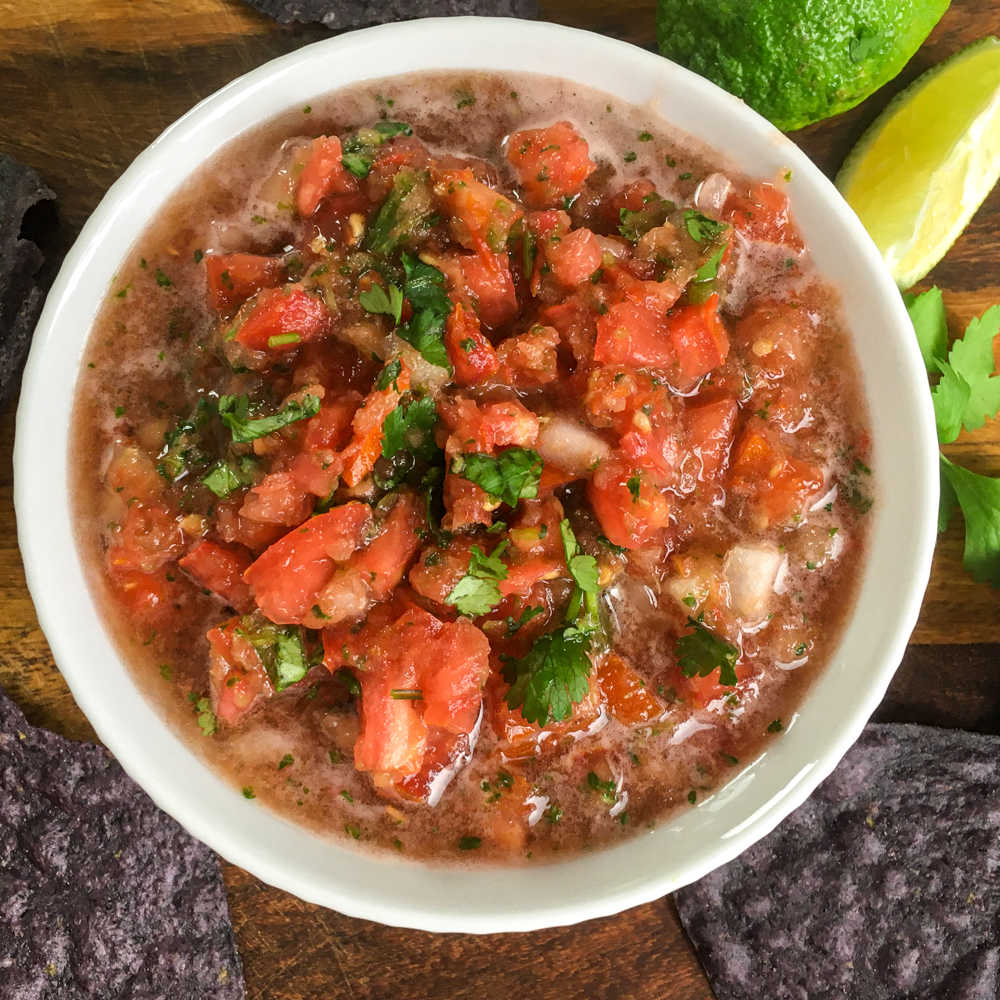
(511, 476)
(387, 300)
(555, 673)
(967, 393)
(235, 414)
(425, 330)
(701, 651)
(477, 592)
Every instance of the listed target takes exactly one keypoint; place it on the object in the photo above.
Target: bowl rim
(53, 575)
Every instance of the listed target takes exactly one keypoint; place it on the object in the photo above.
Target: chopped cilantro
(477, 592)
(431, 306)
(633, 483)
(388, 375)
(286, 761)
(619, 550)
(511, 476)
(775, 726)
(692, 796)
(608, 789)
(248, 792)
(645, 137)
(464, 99)
(280, 648)
(702, 229)
(526, 615)
(629, 157)
(346, 795)
(162, 280)
(234, 411)
(225, 478)
(634, 224)
(166, 672)
(198, 256)
(582, 568)
(388, 301)
(553, 813)
(700, 652)
(469, 843)
(353, 830)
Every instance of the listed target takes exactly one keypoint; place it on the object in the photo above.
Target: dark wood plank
(84, 86)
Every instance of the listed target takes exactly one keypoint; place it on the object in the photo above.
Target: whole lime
(796, 61)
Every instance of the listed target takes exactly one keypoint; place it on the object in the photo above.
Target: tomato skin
(631, 521)
(489, 281)
(471, 354)
(699, 337)
(550, 163)
(149, 538)
(237, 677)
(220, 568)
(234, 277)
(481, 217)
(287, 576)
(280, 312)
(277, 499)
(575, 257)
(710, 434)
(324, 174)
(628, 699)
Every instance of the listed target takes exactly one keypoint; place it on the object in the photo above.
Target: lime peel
(923, 168)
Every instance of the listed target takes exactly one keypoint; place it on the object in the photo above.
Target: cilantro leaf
(947, 501)
(968, 392)
(477, 592)
(234, 411)
(402, 218)
(280, 649)
(388, 301)
(410, 427)
(552, 677)
(359, 149)
(582, 568)
(979, 498)
(700, 228)
(928, 318)
(508, 477)
(227, 477)
(526, 615)
(389, 374)
(701, 651)
(425, 290)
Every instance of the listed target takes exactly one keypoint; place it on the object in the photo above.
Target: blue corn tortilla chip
(102, 895)
(22, 193)
(885, 884)
(340, 15)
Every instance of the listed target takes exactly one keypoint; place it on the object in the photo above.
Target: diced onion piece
(569, 445)
(712, 193)
(750, 571)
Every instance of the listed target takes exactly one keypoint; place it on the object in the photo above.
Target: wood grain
(85, 85)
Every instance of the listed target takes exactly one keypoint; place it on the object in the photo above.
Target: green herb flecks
(511, 476)
(235, 414)
(701, 651)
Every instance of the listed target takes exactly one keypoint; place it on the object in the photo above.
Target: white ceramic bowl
(589, 885)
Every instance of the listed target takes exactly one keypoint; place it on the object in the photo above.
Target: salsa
(473, 467)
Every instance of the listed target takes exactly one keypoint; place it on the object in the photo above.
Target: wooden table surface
(85, 85)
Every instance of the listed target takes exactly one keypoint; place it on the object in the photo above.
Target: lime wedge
(919, 173)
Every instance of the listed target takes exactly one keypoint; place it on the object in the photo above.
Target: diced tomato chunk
(551, 163)
(360, 456)
(146, 597)
(232, 527)
(776, 485)
(324, 174)
(149, 538)
(277, 499)
(283, 318)
(631, 334)
(289, 574)
(488, 280)
(699, 337)
(234, 277)
(220, 568)
(628, 699)
(710, 434)
(762, 214)
(437, 572)
(385, 560)
(420, 672)
(631, 510)
(471, 354)
(530, 359)
(236, 674)
(575, 257)
(703, 691)
(480, 217)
